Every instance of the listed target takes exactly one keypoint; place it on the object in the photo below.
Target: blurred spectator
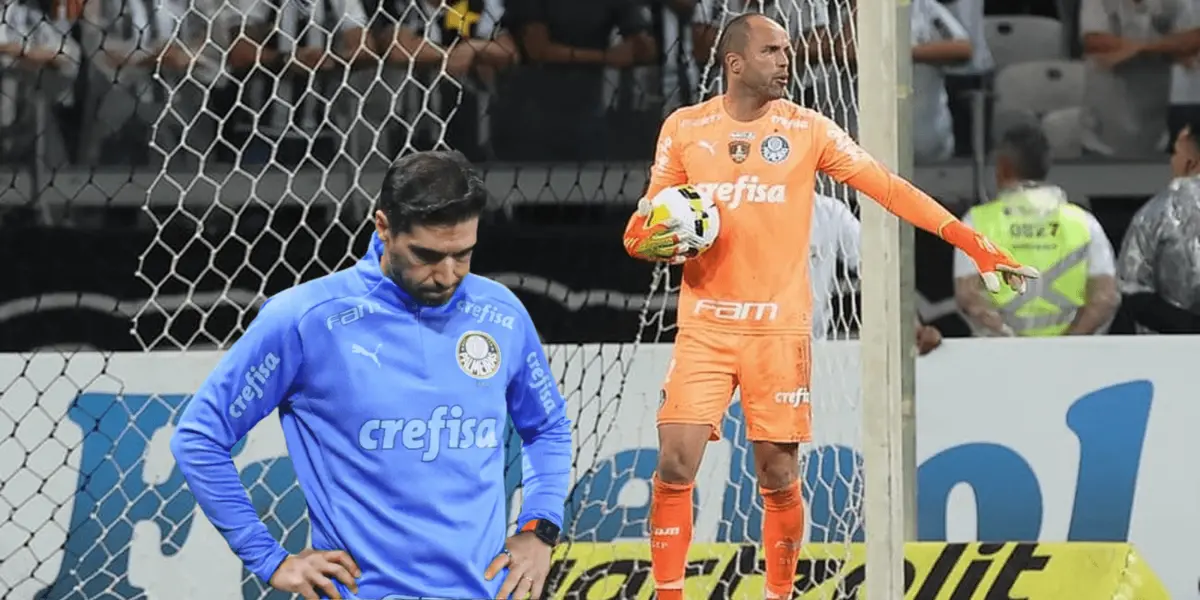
(1160, 258)
(928, 338)
(455, 49)
(33, 40)
(1077, 292)
(836, 239)
(1185, 91)
(449, 38)
(680, 75)
(290, 58)
(566, 47)
(967, 83)
(938, 41)
(298, 38)
(135, 46)
(1130, 46)
(836, 235)
(41, 60)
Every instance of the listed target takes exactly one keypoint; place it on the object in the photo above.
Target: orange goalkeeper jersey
(762, 175)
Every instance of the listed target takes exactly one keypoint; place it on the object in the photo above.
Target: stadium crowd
(245, 83)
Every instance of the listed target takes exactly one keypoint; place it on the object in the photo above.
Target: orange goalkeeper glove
(660, 242)
(994, 264)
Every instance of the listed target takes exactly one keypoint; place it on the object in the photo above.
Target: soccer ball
(693, 213)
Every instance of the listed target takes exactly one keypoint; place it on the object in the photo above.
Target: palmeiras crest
(775, 149)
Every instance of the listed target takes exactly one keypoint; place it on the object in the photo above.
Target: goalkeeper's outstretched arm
(845, 161)
(252, 378)
(539, 414)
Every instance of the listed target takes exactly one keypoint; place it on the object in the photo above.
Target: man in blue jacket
(393, 380)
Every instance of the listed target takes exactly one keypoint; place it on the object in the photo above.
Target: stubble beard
(424, 296)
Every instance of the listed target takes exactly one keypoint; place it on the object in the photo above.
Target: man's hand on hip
(528, 562)
(311, 574)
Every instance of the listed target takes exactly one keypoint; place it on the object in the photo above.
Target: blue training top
(394, 415)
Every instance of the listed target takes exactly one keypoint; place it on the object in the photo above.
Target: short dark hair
(1192, 125)
(1028, 151)
(431, 188)
(736, 36)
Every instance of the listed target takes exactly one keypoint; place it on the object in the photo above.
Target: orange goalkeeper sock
(783, 528)
(670, 536)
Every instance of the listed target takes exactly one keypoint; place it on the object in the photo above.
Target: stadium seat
(1022, 38)
(1064, 130)
(1040, 86)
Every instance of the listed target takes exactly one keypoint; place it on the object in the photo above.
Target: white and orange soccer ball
(693, 215)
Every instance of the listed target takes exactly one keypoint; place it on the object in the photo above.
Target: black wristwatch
(543, 530)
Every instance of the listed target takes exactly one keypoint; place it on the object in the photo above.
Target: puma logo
(707, 145)
(359, 350)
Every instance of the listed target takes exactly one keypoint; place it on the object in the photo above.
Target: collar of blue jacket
(381, 287)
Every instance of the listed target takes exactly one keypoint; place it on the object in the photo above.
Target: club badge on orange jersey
(739, 151)
(775, 149)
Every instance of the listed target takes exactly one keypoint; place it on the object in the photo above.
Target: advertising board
(1047, 440)
(837, 571)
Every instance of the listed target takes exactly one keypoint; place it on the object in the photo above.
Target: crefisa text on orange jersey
(747, 188)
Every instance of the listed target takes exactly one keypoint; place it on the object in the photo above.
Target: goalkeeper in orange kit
(745, 306)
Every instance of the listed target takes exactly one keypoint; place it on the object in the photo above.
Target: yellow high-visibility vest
(1056, 243)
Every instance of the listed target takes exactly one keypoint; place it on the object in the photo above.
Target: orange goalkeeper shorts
(773, 372)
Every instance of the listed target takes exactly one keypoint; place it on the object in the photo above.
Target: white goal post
(889, 412)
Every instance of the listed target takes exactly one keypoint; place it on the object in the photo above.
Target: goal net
(261, 175)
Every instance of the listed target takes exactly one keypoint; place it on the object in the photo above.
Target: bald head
(754, 51)
(736, 35)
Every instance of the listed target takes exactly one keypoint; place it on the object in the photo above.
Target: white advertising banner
(1072, 439)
